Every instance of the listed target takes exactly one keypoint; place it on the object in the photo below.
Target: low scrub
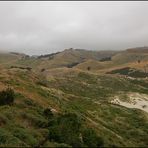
(69, 129)
(7, 97)
(7, 139)
(42, 82)
(106, 59)
(129, 72)
(72, 64)
(20, 67)
(91, 139)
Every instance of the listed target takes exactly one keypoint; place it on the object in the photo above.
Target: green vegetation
(19, 67)
(7, 97)
(48, 113)
(72, 64)
(129, 72)
(106, 59)
(68, 129)
(65, 129)
(42, 82)
(91, 139)
(72, 108)
(50, 56)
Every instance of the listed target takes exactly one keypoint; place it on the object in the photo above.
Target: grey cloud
(45, 27)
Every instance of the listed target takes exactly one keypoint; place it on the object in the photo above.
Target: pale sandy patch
(136, 100)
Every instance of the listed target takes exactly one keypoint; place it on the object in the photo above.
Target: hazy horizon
(45, 27)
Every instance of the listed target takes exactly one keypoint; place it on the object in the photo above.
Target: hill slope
(85, 94)
(67, 58)
(62, 105)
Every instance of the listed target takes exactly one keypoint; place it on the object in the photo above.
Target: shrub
(72, 64)
(7, 97)
(129, 72)
(71, 121)
(3, 119)
(43, 82)
(48, 113)
(54, 134)
(91, 139)
(29, 102)
(106, 59)
(27, 68)
(3, 136)
(7, 139)
(88, 68)
(50, 56)
(35, 119)
(43, 69)
(24, 135)
(66, 129)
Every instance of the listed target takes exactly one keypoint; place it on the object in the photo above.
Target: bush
(43, 69)
(88, 68)
(27, 68)
(72, 64)
(66, 129)
(48, 113)
(42, 82)
(3, 136)
(29, 102)
(106, 59)
(129, 72)
(7, 97)
(3, 119)
(7, 139)
(91, 139)
(24, 135)
(54, 134)
(71, 121)
(35, 119)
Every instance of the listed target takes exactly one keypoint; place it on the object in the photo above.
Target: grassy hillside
(133, 58)
(68, 58)
(81, 59)
(58, 106)
(85, 94)
(9, 58)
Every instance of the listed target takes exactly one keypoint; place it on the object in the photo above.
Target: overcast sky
(45, 27)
